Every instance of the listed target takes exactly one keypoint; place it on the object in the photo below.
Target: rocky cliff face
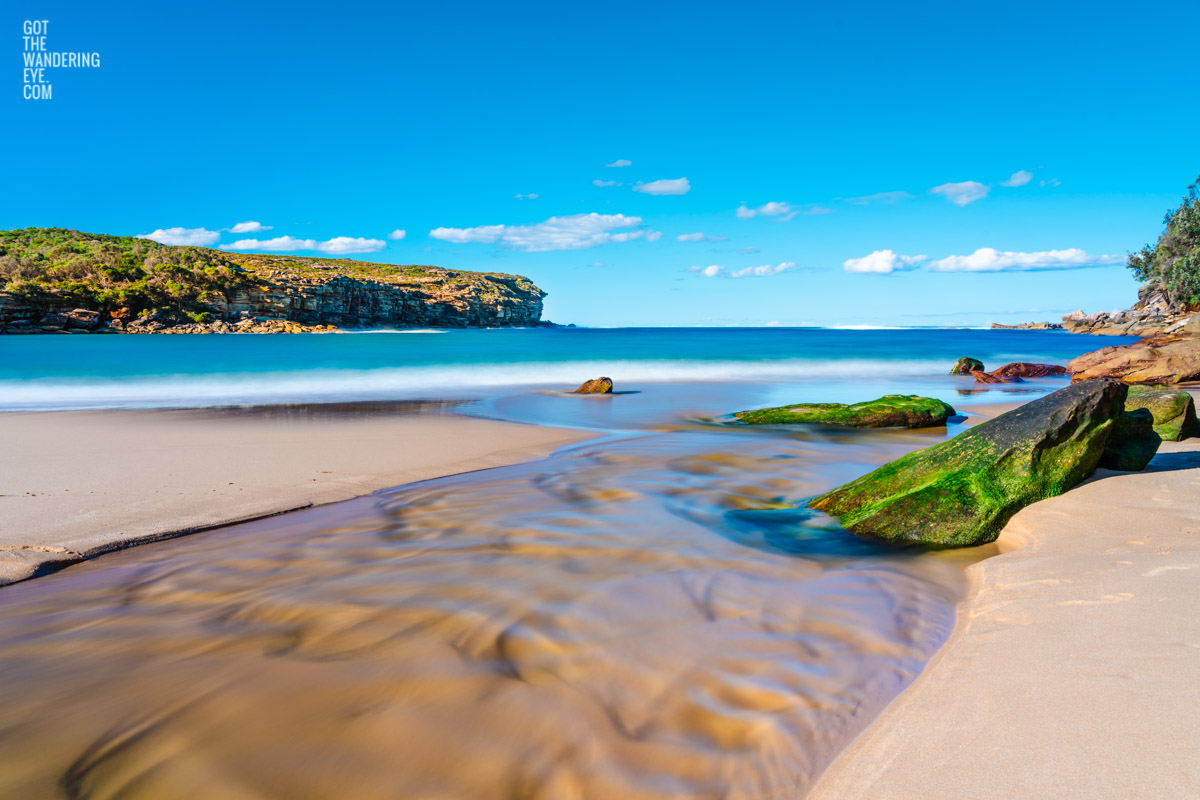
(320, 297)
(437, 299)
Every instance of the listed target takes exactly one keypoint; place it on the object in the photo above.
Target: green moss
(1174, 412)
(962, 492)
(889, 411)
(966, 365)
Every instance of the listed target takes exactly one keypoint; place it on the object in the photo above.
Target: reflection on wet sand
(641, 617)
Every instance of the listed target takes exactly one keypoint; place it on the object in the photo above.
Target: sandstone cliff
(57, 280)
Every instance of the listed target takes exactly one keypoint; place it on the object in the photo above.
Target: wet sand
(74, 485)
(1074, 667)
(644, 616)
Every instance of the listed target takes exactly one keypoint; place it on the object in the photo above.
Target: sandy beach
(1074, 667)
(74, 485)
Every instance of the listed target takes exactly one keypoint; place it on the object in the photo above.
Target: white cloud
(653, 236)
(985, 259)
(664, 186)
(557, 233)
(764, 271)
(530, 196)
(338, 245)
(772, 209)
(249, 226)
(603, 184)
(1052, 182)
(698, 237)
(1018, 178)
(197, 237)
(882, 261)
(397, 234)
(746, 251)
(817, 211)
(884, 198)
(963, 193)
(620, 162)
(988, 259)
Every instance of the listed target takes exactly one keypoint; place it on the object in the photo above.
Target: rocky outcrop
(1157, 360)
(966, 365)
(962, 492)
(1173, 412)
(1029, 326)
(283, 302)
(889, 411)
(595, 386)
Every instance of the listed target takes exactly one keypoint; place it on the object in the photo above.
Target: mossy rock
(1133, 441)
(962, 492)
(889, 411)
(966, 365)
(1174, 411)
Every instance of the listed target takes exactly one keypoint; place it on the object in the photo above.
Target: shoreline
(1072, 668)
(79, 484)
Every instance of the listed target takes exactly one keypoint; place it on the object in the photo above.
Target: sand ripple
(642, 619)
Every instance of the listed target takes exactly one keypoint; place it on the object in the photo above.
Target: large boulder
(889, 411)
(966, 365)
(1174, 411)
(1156, 360)
(1132, 442)
(1024, 369)
(596, 386)
(962, 492)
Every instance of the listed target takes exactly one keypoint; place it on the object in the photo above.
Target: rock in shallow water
(966, 365)
(1024, 369)
(889, 411)
(596, 386)
(962, 492)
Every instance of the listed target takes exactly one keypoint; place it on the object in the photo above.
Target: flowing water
(650, 614)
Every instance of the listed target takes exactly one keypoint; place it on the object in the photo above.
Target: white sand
(1074, 667)
(77, 484)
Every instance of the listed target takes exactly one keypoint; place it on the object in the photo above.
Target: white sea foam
(342, 385)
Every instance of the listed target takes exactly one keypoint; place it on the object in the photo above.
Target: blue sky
(861, 136)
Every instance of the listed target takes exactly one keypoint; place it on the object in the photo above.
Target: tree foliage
(1173, 262)
(111, 272)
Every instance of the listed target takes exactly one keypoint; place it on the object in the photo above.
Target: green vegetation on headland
(1172, 264)
(889, 411)
(106, 273)
(45, 270)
